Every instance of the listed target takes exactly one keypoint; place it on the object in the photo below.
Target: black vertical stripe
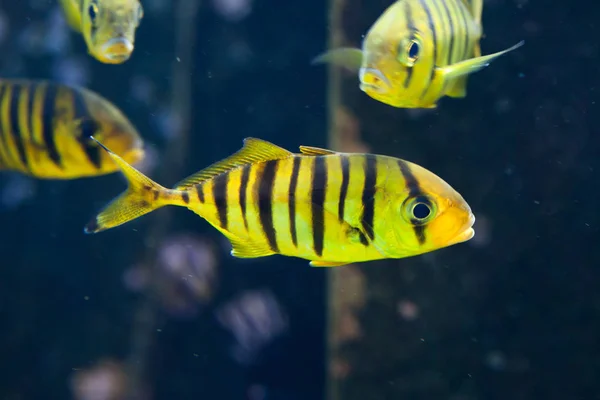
(242, 193)
(410, 26)
(219, 192)
(419, 233)
(368, 195)
(292, 199)
(449, 59)
(465, 24)
(434, 44)
(344, 188)
(414, 190)
(14, 124)
(47, 122)
(318, 192)
(266, 180)
(363, 239)
(185, 196)
(88, 127)
(30, 87)
(200, 191)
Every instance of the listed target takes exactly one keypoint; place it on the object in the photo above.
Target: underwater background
(158, 309)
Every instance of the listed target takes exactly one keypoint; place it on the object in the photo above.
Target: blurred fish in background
(108, 26)
(418, 51)
(46, 128)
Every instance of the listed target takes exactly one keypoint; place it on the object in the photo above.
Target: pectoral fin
(473, 64)
(347, 57)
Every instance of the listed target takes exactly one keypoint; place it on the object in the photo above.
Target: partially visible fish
(418, 51)
(328, 207)
(45, 129)
(108, 26)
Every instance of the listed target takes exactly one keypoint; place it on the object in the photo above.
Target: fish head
(109, 28)
(397, 64)
(111, 127)
(429, 214)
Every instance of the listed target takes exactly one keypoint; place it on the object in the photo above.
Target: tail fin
(141, 197)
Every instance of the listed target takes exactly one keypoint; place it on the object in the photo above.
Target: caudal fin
(142, 196)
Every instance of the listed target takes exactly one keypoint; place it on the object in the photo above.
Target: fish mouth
(466, 234)
(372, 79)
(117, 49)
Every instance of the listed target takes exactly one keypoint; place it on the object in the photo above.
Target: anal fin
(458, 87)
(246, 249)
(327, 263)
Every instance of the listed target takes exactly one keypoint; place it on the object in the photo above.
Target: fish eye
(413, 51)
(418, 210)
(409, 51)
(421, 211)
(93, 11)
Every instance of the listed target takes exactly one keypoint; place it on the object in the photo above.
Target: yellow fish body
(328, 207)
(45, 129)
(108, 26)
(418, 51)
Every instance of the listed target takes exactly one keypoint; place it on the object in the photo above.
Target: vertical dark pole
(146, 319)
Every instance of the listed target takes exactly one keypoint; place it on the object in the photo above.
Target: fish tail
(142, 196)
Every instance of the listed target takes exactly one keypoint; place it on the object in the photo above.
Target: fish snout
(373, 79)
(466, 232)
(117, 49)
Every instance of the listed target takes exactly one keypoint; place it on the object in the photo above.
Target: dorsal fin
(72, 14)
(315, 151)
(254, 150)
(476, 9)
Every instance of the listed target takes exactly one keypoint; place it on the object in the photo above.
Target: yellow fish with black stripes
(45, 131)
(108, 26)
(327, 207)
(418, 51)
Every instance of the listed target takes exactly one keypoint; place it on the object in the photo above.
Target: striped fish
(328, 207)
(45, 129)
(108, 26)
(418, 51)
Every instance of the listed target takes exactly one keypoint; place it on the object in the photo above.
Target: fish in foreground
(108, 26)
(45, 131)
(327, 207)
(418, 51)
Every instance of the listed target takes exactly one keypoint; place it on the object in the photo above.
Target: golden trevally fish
(45, 131)
(328, 207)
(418, 51)
(108, 26)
